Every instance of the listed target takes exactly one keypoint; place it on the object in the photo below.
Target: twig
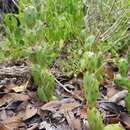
(70, 92)
(15, 4)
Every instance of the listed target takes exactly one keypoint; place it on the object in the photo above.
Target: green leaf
(90, 61)
(36, 73)
(89, 42)
(10, 22)
(123, 67)
(30, 16)
(41, 94)
(45, 82)
(95, 119)
(42, 56)
(127, 102)
(123, 82)
(91, 89)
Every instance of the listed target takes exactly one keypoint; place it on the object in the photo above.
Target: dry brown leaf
(83, 112)
(111, 91)
(13, 97)
(112, 119)
(74, 123)
(14, 121)
(21, 97)
(9, 87)
(21, 88)
(70, 118)
(6, 99)
(68, 107)
(105, 82)
(52, 106)
(29, 112)
(125, 119)
(108, 70)
(3, 127)
(3, 114)
(16, 126)
(118, 96)
(77, 124)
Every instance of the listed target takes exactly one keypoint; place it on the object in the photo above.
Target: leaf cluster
(45, 82)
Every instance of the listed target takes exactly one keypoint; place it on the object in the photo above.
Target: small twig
(70, 92)
(15, 4)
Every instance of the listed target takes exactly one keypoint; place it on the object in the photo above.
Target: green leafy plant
(123, 67)
(113, 127)
(45, 82)
(44, 24)
(91, 89)
(70, 65)
(43, 56)
(89, 43)
(30, 16)
(127, 102)
(95, 119)
(123, 82)
(90, 61)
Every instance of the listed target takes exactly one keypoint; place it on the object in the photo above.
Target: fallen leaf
(108, 70)
(83, 112)
(77, 124)
(3, 127)
(58, 117)
(111, 91)
(70, 118)
(68, 107)
(118, 96)
(125, 119)
(112, 107)
(112, 119)
(21, 88)
(20, 97)
(14, 121)
(13, 97)
(9, 87)
(52, 106)
(29, 112)
(3, 115)
(13, 105)
(6, 99)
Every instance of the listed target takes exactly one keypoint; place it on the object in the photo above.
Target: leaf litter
(21, 109)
